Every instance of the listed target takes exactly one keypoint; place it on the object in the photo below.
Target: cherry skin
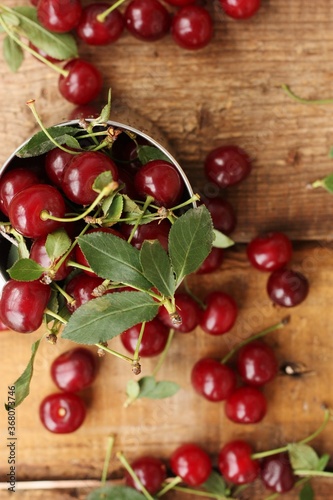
(223, 214)
(246, 405)
(287, 288)
(240, 9)
(39, 254)
(94, 32)
(81, 288)
(161, 180)
(269, 251)
(12, 182)
(212, 262)
(154, 338)
(74, 370)
(147, 20)
(191, 463)
(82, 83)
(55, 162)
(257, 363)
(220, 313)
(155, 230)
(227, 165)
(59, 16)
(188, 310)
(151, 472)
(235, 463)
(277, 473)
(180, 3)
(213, 380)
(27, 206)
(192, 27)
(62, 412)
(22, 305)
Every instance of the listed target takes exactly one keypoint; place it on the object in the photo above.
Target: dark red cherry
(227, 166)
(147, 20)
(246, 405)
(55, 163)
(257, 363)
(191, 463)
(212, 262)
(287, 288)
(95, 32)
(269, 251)
(74, 370)
(223, 214)
(240, 9)
(59, 16)
(161, 180)
(154, 338)
(12, 182)
(235, 463)
(213, 380)
(82, 83)
(192, 27)
(22, 305)
(188, 310)
(81, 288)
(180, 3)
(220, 313)
(62, 412)
(277, 473)
(39, 254)
(155, 230)
(90, 110)
(151, 472)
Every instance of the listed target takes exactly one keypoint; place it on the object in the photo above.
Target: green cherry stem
(109, 448)
(148, 201)
(200, 493)
(164, 353)
(55, 315)
(101, 17)
(294, 96)
(114, 353)
(169, 486)
(191, 294)
(136, 356)
(313, 473)
(272, 328)
(66, 295)
(193, 199)
(131, 472)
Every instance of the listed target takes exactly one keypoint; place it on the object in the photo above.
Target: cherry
(161, 180)
(81, 172)
(55, 163)
(212, 262)
(81, 287)
(154, 338)
(94, 32)
(277, 473)
(287, 288)
(25, 210)
(84, 111)
(127, 181)
(147, 20)
(12, 182)
(18, 300)
(155, 230)
(62, 413)
(151, 472)
(59, 16)
(227, 165)
(223, 214)
(257, 363)
(3, 327)
(74, 370)
(180, 3)
(192, 27)
(191, 463)
(39, 254)
(82, 83)
(125, 152)
(235, 463)
(188, 310)
(213, 380)
(269, 251)
(220, 313)
(240, 9)
(246, 405)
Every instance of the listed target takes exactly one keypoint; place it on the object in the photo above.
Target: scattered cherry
(155, 230)
(74, 370)
(227, 165)
(147, 20)
(223, 214)
(95, 32)
(191, 463)
(62, 412)
(269, 251)
(240, 9)
(235, 463)
(188, 310)
(154, 338)
(213, 380)
(287, 288)
(59, 16)
(246, 405)
(192, 27)
(257, 363)
(212, 262)
(220, 313)
(82, 83)
(151, 472)
(277, 473)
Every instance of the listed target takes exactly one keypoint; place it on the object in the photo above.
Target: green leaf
(132, 389)
(104, 116)
(157, 268)
(302, 456)
(22, 384)
(10, 19)
(101, 181)
(115, 493)
(149, 153)
(103, 318)
(215, 484)
(323, 461)
(57, 243)
(190, 241)
(40, 143)
(112, 208)
(306, 492)
(12, 53)
(130, 206)
(26, 270)
(151, 389)
(71, 142)
(113, 258)
(221, 240)
(147, 384)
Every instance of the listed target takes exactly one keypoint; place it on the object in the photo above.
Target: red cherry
(189, 311)
(277, 473)
(95, 32)
(191, 463)
(82, 83)
(236, 464)
(12, 182)
(213, 380)
(220, 313)
(151, 472)
(246, 405)
(62, 413)
(269, 251)
(257, 363)
(180, 3)
(192, 27)
(161, 180)
(59, 16)
(287, 288)
(81, 287)
(55, 163)
(240, 9)
(84, 111)
(227, 166)
(223, 214)
(39, 254)
(74, 370)
(212, 262)
(154, 338)
(147, 20)
(155, 230)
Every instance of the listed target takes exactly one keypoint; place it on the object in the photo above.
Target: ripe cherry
(147, 20)
(55, 163)
(191, 463)
(235, 463)
(246, 405)
(74, 370)
(220, 313)
(12, 182)
(161, 180)
(212, 262)
(95, 32)
(38, 253)
(227, 166)
(287, 288)
(82, 82)
(257, 363)
(180, 3)
(59, 16)
(192, 27)
(154, 338)
(151, 472)
(155, 230)
(277, 473)
(81, 288)
(269, 251)
(62, 412)
(213, 380)
(223, 214)
(23, 303)
(240, 9)
(188, 310)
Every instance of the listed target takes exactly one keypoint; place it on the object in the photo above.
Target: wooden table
(229, 92)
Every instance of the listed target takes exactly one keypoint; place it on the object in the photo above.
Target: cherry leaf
(323, 461)
(115, 493)
(40, 143)
(26, 270)
(12, 53)
(149, 153)
(103, 318)
(306, 492)
(151, 389)
(302, 456)
(130, 206)
(215, 484)
(101, 181)
(112, 208)
(157, 268)
(190, 241)
(221, 240)
(132, 389)
(57, 243)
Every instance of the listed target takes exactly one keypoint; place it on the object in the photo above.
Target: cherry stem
(312, 473)
(294, 96)
(169, 486)
(191, 294)
(276, 326)
(55, 315)
(69, 298)
(164, 353)
(193, 198)
(101, 17)
(148, 201)
(317, 184)
(138, 343)
(131, 472)
(199, 493)
(114, 353)
(107, 459)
